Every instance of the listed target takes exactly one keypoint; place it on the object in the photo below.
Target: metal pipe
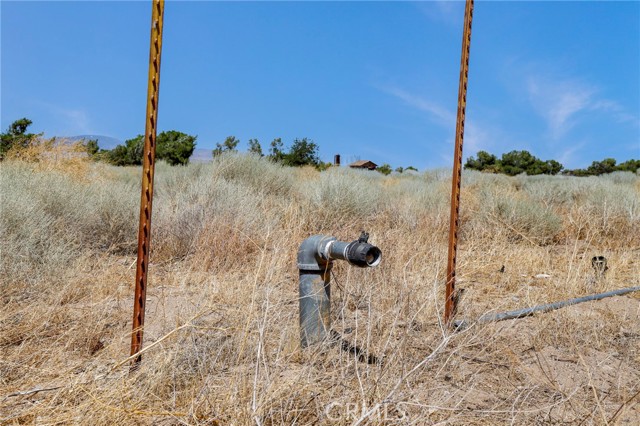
(315, 260)
(148, 166)
(521, 313)
(450, 295)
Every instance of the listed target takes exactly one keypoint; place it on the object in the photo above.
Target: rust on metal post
(148, 166)
(450, 293)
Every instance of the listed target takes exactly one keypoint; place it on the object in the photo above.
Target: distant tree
(255, 148)
(229, 145)
(92, 148)
(608, 165)
(597, 168)
(411, 168)
(172, 146)
(516, 162)
(118, 156)
(19, 127)
(399, 170)
(385, 169)
(16, 136)
(135, 150)
(629, 166)
(175, 147)
(303, 152)
(276, 152)
(552, 167)
(322, 166)
(129, 154)
(539, 167)
(575, 172)
(485, 161)
(513, 163)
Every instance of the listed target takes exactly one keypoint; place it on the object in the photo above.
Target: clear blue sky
(368, 80)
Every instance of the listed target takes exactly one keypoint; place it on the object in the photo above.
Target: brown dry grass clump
(222, 337)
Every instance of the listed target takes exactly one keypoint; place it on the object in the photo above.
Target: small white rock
(543, 276)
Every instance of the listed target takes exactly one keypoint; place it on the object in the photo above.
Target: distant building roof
(364, 164)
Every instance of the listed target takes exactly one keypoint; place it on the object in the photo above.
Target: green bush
(173, 147)
(513, 163)
(16, 136)
(229, 145)
(385, 169)
(303, 152)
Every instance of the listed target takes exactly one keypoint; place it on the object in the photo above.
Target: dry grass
(222, 313)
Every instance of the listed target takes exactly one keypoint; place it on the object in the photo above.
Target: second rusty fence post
(148, 167)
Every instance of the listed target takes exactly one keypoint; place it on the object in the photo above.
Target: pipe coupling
(358, 253)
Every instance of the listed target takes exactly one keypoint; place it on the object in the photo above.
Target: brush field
(222, 335)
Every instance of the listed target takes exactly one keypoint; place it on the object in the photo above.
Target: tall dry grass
(222, 310)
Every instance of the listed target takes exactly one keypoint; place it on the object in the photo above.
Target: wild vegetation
(172, 146)
(176, 148)
(16, 136)
(222, 336)
(517, 162)
(302, 152)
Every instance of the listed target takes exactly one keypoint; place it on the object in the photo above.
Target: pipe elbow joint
(312, 253)
(316, 253)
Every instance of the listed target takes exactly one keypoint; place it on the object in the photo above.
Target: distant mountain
(104, 142)
(201, 155)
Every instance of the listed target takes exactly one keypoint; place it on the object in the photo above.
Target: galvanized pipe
(522, 313)
(315, 260)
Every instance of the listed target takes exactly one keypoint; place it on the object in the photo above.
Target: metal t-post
(148, 166)
(450, 299)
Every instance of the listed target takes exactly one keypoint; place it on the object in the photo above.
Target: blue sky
(368, 80)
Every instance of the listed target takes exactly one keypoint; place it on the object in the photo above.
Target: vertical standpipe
(315, 260)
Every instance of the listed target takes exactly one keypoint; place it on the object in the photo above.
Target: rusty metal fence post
(148, 167)
(450, 293)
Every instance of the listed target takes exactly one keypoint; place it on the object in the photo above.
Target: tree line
(302, 152)
(172, 146)
(176, 148)
(518, 162)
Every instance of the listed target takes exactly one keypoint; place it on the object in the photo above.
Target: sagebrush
(222, 308)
